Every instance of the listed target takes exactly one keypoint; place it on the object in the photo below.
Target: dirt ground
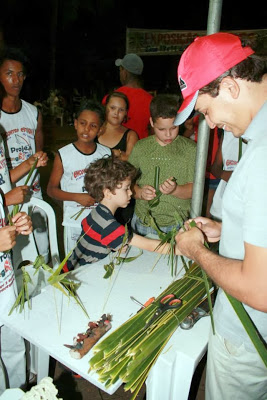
(71, 388)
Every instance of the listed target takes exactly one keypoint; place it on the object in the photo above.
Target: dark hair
(119, 95)
(16, 54)
(164, 106)
(251, 69)
(94, 106)
(107, 173)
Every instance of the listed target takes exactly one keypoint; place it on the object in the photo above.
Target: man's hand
(7, 238)
(22, 223)
(189, 242)
(192, 240)
(16, 195)
(211, 228)
(168, 186)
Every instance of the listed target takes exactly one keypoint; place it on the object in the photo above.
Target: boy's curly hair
(107, 173)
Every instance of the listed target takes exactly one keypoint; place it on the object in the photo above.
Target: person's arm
(245, 280)
(146, 243)
(23, 168)
(22, 225)
(54, 191)
(16, 195)
(132, 138)
(180, 191)
(7, 237)
(39, 137)
(217, 167)
(146, 192)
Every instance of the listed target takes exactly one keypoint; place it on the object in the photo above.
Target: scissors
(146, 304)
(192, 318)
(168, 302)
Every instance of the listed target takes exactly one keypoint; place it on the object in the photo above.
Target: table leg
(171, 377)
(42, 365)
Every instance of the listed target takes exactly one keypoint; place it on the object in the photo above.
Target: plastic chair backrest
(30, 252)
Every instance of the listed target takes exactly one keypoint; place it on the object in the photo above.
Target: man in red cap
(227, 83)
(131, 68)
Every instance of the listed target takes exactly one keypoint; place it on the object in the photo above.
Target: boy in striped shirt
(108, 181)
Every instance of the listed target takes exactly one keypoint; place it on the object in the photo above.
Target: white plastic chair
(31, 249)
(28, 249)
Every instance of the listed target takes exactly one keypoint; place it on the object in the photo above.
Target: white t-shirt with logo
(74, 164)
(230, 152)
(18, 130)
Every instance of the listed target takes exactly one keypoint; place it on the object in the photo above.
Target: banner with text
(167, 42)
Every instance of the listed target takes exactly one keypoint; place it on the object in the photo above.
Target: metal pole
(213, 25)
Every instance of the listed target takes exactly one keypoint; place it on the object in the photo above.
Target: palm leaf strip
(129, 352)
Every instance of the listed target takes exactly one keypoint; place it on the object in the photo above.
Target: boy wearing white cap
(131, 68)
(227, 83)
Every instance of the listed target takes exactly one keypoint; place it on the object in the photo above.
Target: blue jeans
(143, 230)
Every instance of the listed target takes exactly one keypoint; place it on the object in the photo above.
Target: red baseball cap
(203, 61)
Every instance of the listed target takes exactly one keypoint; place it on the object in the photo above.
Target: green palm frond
(117, 259)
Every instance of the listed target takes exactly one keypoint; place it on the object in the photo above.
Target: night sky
(89, 35)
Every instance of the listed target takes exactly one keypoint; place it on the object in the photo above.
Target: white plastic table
(54, 320)
(12, 394)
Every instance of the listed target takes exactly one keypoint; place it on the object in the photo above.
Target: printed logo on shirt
(231, 162)
(2, 164)
(29, 131)
(4, 257)
(2, 222)
(20, 149)
(36, 187)
(161, 158)
(8, 281)
(7, 265)
(2, 181)
(11, 132)
(79, 174)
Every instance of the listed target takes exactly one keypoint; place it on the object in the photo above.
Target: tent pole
(213, 25)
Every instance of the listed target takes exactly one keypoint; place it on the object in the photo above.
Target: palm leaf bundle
(59, 281)
(23, 294)
(129, 352)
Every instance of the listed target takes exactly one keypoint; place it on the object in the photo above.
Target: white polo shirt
(244, 216)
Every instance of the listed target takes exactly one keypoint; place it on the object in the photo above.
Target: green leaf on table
(109, 268)
(20, 300)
